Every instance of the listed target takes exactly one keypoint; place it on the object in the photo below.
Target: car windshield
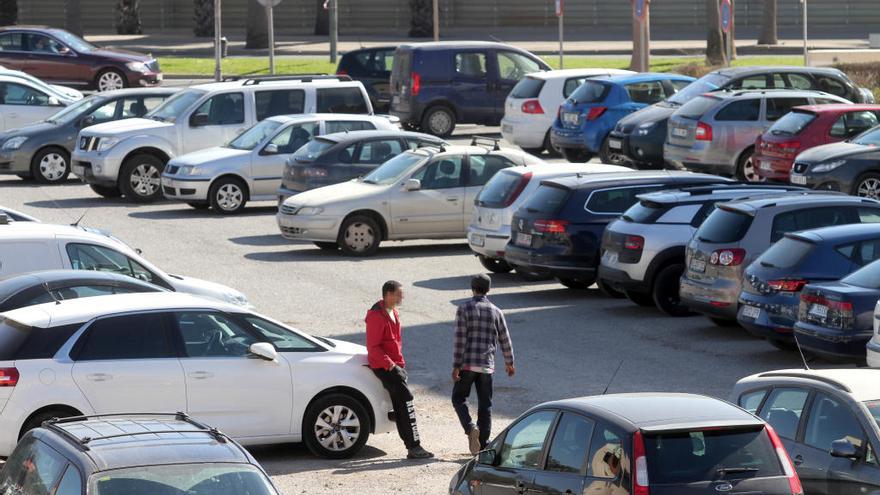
(176, 105)
(705, 84)
(311, 151)
(792, 123)
(74, 41)
(252, 137)
(867, 277)
(868, 138)
(183, 479)
(74, 110)
(874, 407)
(390, 171)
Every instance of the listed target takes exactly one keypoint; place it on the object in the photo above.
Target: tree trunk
(635, 61)
(714, 37)
(8, 12)
(322, 19)
(257, 26)
(421, 21)
(203, 18)
(128, 17)
(72, 17)
(769, 34)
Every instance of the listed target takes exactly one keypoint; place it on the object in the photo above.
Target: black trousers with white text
(402, 401)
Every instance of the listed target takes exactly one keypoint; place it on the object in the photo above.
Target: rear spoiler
(704, 425)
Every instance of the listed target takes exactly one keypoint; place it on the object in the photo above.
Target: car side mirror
(845, 449)
(65, 51)
(199, 120)
(264, 350)
(87, 121)
(487, 457)
(412, 185)
(270, 149)
(55, 102)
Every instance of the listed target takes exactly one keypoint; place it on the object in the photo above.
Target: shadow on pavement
(499, 280)
(398, 252)
(22, 183)
(89, 202)
(265, 240)
(189, 213)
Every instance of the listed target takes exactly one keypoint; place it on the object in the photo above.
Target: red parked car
(806, 127)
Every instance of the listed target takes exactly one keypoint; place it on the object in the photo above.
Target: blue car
(836, 319)
(589, 115)
(772, 285)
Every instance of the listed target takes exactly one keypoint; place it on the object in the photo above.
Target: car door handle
(452, 199)
(798, 460)
(99, 377)
(201, 375)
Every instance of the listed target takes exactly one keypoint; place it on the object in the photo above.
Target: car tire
(745, 167)
(609, 289)
(326, 246)
(549, 148)
(724, 322)
(140, 178)
(199, 206)
(609, 157)
(359, 236)
(531, 275)
(494, 265)
(319, 439)
(576, 156)
(228, 195)
(106, 191)
(867, 186)
(50, 165)
(643, 299)
(438, 121)
(665, 293)
(25, 176)
(37, 420)
(110, 79)
(577, 283)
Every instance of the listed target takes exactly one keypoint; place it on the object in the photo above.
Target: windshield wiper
(731, 470)
(626, 218)
(326, 341)
(368, 181)
(156, 117)
(767, 265)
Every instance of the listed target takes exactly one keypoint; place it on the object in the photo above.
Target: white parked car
(32, 246)
(251, 166)
(253, 378)
(489, 230)
(531, 106)
(15, 215)
(127, 158)
(62, 92)
(427, 193)
(23, 101)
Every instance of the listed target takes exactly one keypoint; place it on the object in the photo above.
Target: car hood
(29, 130)
(345, 191)
(212, 290)
(121, 55)
(68, 92)
(214, 155)
(833, 151)
(654, 113)
(349, 348)
(125, 126)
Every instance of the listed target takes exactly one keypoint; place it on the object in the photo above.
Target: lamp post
(217, 48)
(806, 52)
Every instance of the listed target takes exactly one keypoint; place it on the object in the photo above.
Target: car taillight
(415, 83)
(787, 285)
(550, 226)
(703, 132)
(789, 149)
(728, 257)
(596, 112)
(314, 172)
(640, 480)
(634, 242)
(532, 106)
(836, 314)
(523, 182)
(341, 72)
(8, 377)
(794, 482)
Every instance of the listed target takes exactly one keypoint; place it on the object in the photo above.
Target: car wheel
(359, 236)
(439, 121)
(336, 426)
(531, 274)
(640, 298)
(110, 79)
(608, 156)
(576, 156)
(50, 165)
(25, 176)
(666, 285)
(327, 246)
(494, 265)
(106, 191)
(140, 178)
(723, 322)
(549, 148)
(199, 206)
(609, 290)
(577, 283)
(37, 420)
(745, 167)
(228, 195)
(867, 186)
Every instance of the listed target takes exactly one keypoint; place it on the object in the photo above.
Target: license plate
(751, 312)
(698, 266)
(818, 310)
(570, 118)
(800, 180)
(507, 129)
(765, 165)
(615, 144)
(610, 258)
(679, 132)
(159, 77)
(478, 240)
(524, 239)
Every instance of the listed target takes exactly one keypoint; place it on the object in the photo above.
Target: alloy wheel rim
(229, 197)
(53, 166)
(440, 122)
(109, 81)
(359, 237)
(145, 180)
(337, 428)
(869, 188)
(749, 171)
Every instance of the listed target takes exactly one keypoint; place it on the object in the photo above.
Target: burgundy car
(806, 127)
(60, 57)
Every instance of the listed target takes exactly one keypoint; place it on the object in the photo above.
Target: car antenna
(51, 294)
(800, 351)
(612, 378)
(78, 220)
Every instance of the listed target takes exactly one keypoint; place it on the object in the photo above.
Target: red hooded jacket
(384, 345)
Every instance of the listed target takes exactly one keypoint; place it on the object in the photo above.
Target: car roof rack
(807, 376)
(254, 80)
(711, 188)
(495, 142)
(83, 443)
(441, 146)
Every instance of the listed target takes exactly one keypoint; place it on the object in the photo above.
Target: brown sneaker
(474, 440)
(418, 453)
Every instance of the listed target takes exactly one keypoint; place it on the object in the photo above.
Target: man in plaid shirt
(479, 326)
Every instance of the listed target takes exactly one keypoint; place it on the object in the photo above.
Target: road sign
(560, 7)
(640, 8)
(265, 2)
(726, 16)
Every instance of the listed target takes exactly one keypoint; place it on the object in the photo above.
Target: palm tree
(8, 12)
(768, 24)
(128, 17)
(421, 21)
(203, 18)
(72, 17)
(714, 40)
(257, 35)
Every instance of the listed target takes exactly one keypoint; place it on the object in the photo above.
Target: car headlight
(645, 128)
(191, 170)
(827, 167)
(14, 143)
(309, 210)
(106, 143)
(236, 298)
(137, 66)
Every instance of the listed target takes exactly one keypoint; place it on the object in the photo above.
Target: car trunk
(584, 104)
(535, 224)
(784, 267)
(682, 129)
(401, 79)
(527, 90)
(502, 190)
(721, 233)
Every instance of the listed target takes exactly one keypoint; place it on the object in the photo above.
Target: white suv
(33, 246)
(128, 157)
(255, 379)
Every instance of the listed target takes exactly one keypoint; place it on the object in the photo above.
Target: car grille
(169, 191)
(291, 230)
(288, 209)
(89, 143)
(172, 169)
(800, 167)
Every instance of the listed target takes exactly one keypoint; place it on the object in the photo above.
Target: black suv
(640, 136)
(372, 67)
(559, 229)
(436, 85)
(131, 454)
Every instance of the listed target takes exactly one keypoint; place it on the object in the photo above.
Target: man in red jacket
(385, 355)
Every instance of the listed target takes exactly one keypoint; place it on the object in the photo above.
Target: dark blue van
(435, 86)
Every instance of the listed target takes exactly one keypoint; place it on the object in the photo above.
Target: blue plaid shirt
(479, 326)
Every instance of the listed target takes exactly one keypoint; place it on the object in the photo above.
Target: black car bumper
(646, 151)
(562, 266)
(621, 280)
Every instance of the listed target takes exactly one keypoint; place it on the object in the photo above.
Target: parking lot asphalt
(567, 343)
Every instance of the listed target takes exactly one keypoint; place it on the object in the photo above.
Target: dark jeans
(402, 401)
(460, 392)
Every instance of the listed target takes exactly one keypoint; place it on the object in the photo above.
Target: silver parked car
(716, 132)
(737, 232)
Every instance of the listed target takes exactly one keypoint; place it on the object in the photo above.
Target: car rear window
(695, 108)
(792, 123)
(500, 190)
(684, 457)
(341, 100)
(723, 226)
(867, 277)
(528, 87)
(311, 151)
(547, 199)
(788, 252)
(18, 341)
(645, 212)
(590, 92)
